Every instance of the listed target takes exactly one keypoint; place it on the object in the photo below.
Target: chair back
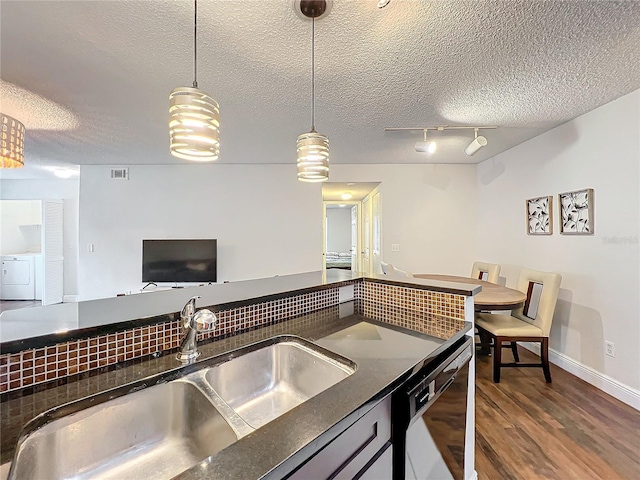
(491, 269)
(401, 273)
(387, 268)
(541, 288)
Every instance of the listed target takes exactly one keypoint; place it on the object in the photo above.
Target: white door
(52, 251)
(376, 233)
(354, 238)
(366, 235)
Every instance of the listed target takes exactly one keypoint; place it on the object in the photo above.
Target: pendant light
(194, 117)
(12, 142)
(313, 147)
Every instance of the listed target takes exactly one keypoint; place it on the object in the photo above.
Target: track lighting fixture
(430, 147)
(477, 144)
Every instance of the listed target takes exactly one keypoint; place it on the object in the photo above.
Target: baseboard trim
(70, 298)
(616, 389)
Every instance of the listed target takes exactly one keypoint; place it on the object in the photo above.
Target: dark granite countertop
(385, 356)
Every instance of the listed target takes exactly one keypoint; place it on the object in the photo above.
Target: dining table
(491, 297)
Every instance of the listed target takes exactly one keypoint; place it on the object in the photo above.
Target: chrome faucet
(193, 322)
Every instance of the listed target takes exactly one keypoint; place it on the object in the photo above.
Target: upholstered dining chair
(401, 273)
(387, 268)
(489, 272)
(530, 323)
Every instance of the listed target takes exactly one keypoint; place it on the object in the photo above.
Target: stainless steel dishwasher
(429, 418)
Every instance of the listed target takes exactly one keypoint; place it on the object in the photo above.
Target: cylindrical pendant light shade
(313, 157)
(12, 142)
(476, 145)
(194, 125)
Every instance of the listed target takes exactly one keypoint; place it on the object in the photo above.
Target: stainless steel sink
(272, 379)
(157, 432)
(160, 431)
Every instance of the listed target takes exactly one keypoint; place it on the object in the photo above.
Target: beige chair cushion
(507, 326)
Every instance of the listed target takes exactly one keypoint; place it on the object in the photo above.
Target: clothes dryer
(17, 279)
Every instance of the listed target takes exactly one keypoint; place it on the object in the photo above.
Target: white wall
(15, 215)
(66, 190)
(429, 210)
(599, 297)
(266, 222)
(339, 229)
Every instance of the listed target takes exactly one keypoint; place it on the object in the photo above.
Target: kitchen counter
(73, 321)
(385, 356)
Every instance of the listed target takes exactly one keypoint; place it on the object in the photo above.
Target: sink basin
(160, 431)
(275, 377)
(157, 432)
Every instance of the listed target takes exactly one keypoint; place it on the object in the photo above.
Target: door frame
(351, 203)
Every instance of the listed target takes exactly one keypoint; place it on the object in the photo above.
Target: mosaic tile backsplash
(388, 303)
(429, 312)
(30, 367)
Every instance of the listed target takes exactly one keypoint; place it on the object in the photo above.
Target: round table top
(492, 296)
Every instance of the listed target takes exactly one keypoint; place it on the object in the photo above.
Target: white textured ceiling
(333, 191)
(524, 65)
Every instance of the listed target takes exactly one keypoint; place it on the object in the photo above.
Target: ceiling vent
(119, 174)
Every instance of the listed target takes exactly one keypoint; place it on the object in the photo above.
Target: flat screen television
(179, 260)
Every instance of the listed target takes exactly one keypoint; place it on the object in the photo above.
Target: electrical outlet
(395, 247)
(609, 349)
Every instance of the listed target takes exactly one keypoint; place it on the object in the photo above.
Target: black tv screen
(179, 260)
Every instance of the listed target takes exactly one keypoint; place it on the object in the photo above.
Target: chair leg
(544, 355)
(497, 358)
(514, 350)
(485, 342)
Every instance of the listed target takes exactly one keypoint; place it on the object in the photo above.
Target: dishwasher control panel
(431, 384)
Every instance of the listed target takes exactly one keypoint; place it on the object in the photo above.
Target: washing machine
(18, 277)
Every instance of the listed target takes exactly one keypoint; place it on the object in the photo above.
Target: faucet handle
(189, 308)
(205, 320)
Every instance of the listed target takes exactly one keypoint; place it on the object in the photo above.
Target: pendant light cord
(195, 48)
(313, 74)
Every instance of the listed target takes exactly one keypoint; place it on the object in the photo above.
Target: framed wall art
(540, 216)
(576, 212)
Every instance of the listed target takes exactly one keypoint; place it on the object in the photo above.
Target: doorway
(341, 237)
(31, 252)
(351, 227)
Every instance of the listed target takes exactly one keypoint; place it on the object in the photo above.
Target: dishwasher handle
(422, 395)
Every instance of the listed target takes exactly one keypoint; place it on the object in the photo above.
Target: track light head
(424, 146)
(476, 145)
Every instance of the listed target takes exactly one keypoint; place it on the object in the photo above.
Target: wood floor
(528, 429)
